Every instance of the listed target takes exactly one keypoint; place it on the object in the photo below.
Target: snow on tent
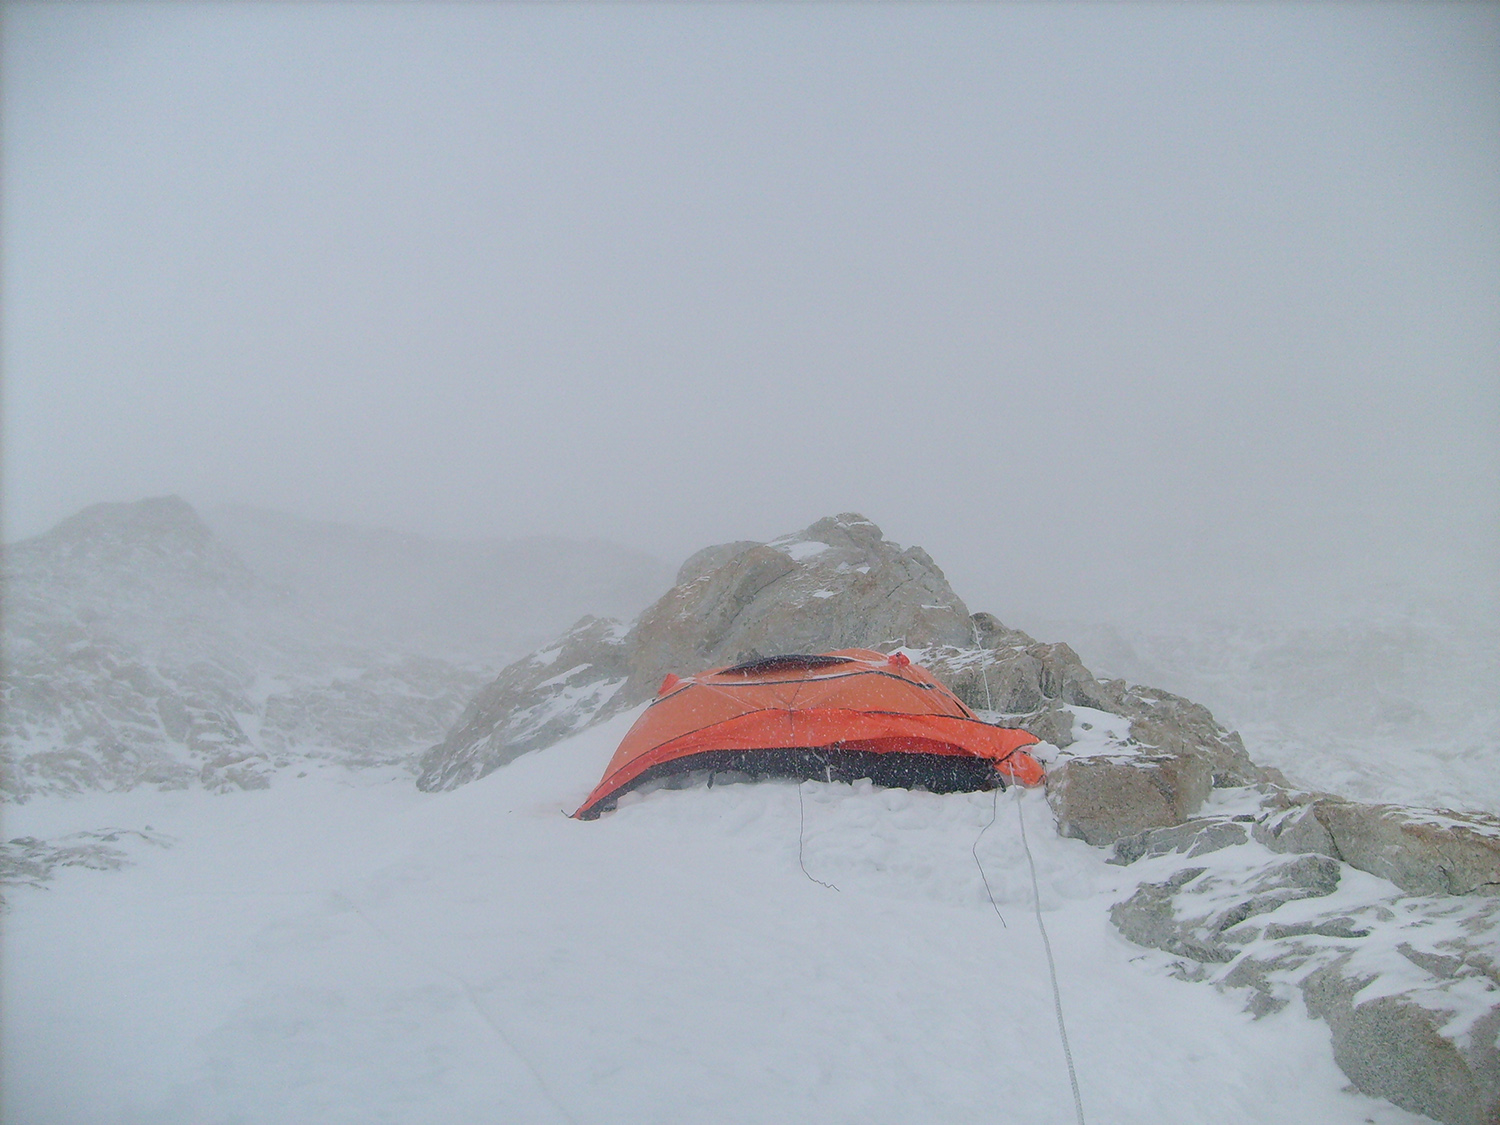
(838, 716)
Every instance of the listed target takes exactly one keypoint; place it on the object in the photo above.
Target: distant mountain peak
(161, 539)
(158, 517)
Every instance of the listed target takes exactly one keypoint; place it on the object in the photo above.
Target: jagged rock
(1176, 750)
(1149, 918)
(1422, 852)
(28, 861)
(1100, 799)
(1194, 838)
(837, 584)
(991, 632)
(1152, 917)
(1297, 831)
(710, 559)
(1409, 984)
(1175, 726)
(1397, 1048)
(534, 703)
(1157, 778)
(1052, 723)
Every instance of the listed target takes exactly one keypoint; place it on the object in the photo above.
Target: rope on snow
(994, 812)
(1036, 894)
(801, 829)
(1036, 902)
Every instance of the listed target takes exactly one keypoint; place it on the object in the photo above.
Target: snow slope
(343, 948)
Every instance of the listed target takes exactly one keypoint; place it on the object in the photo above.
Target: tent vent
(792, 662)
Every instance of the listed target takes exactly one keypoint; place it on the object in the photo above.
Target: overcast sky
(1106, 306)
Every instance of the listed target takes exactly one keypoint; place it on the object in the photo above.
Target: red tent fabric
(837, 716)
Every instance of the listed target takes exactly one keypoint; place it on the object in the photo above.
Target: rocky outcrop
(1157, 776)
(1408, 983)
(30, 862)
(1100, 798)
(1152, 916)
(1399, 1048)
(1421, 851)
(837, 584)
(534, 703)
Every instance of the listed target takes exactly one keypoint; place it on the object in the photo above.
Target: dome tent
(838, 716)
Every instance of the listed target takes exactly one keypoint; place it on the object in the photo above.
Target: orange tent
(840, 716)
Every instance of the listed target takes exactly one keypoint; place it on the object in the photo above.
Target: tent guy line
(801, 836)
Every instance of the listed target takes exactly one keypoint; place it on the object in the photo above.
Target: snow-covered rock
(1409, 984)
(141, 649)
(1154, 771)
(30, 862)
(838, 584)
(534, 703)
(1420, 850)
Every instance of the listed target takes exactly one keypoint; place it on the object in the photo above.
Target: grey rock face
(1397, 1048)
(837, 584)
(1246, 920)
(1421, 851)
(708, 560)
(534, 703)
(1150, 917)
(1101, 799)
(1194, 838)
(1176, 751)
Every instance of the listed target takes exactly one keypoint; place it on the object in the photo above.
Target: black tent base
(937, 773)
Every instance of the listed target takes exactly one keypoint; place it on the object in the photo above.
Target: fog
(1117, 310)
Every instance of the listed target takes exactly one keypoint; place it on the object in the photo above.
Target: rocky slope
(1383, 918)
(139, 648)
(837, 584)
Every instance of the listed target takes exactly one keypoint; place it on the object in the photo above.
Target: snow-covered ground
(343, 948)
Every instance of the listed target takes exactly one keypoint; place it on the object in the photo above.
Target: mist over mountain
(141, 647)
(483, 599)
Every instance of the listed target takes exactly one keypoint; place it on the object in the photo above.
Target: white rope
(1036, 901)
(984, 667)
(1036, 893)
(994, 812)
